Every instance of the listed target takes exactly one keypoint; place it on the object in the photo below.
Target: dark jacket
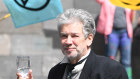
(96, 67)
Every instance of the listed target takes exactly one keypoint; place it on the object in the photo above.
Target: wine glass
(23, 65)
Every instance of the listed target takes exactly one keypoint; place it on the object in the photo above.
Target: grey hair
(83, 16)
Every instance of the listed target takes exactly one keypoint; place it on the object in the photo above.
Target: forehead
(73, 27)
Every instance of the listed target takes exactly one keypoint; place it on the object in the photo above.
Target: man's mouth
(69, 49)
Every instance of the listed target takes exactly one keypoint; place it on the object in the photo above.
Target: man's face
(73, 42)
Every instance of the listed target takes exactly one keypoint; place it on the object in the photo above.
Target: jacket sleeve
(123, 74)
(132, 16)
(100, 1)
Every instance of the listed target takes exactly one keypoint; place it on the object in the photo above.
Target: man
(77, 30)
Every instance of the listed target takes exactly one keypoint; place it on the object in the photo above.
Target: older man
(77, 29)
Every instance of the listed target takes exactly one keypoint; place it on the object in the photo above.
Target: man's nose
(69, 40)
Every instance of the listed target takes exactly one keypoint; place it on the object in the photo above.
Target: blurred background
(40, 41)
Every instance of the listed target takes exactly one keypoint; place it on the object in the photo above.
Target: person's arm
(133, 14)
(100, 1)
(30, 76)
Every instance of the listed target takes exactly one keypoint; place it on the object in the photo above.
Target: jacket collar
(87, 69)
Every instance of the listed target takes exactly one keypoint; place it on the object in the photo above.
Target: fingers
(18, 75)
(30, 74)
(28, 77)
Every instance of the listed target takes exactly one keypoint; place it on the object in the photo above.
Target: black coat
(96, 67)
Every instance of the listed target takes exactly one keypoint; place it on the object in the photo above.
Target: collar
(65, 59)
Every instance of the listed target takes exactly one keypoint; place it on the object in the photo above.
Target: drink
(23, 65)
(23, 71)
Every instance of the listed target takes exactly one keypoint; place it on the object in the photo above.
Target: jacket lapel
(89, 66)
(59, 73)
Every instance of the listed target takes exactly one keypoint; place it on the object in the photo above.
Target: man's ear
(89, 39)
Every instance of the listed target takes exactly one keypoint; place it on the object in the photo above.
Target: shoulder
(109, 67)
(102, 61)
(107, 62)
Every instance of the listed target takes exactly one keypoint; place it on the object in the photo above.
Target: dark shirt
(119, 18)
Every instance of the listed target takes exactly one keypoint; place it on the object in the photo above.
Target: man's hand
(28, 77)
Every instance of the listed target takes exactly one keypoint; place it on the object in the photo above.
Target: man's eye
(63, 36)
